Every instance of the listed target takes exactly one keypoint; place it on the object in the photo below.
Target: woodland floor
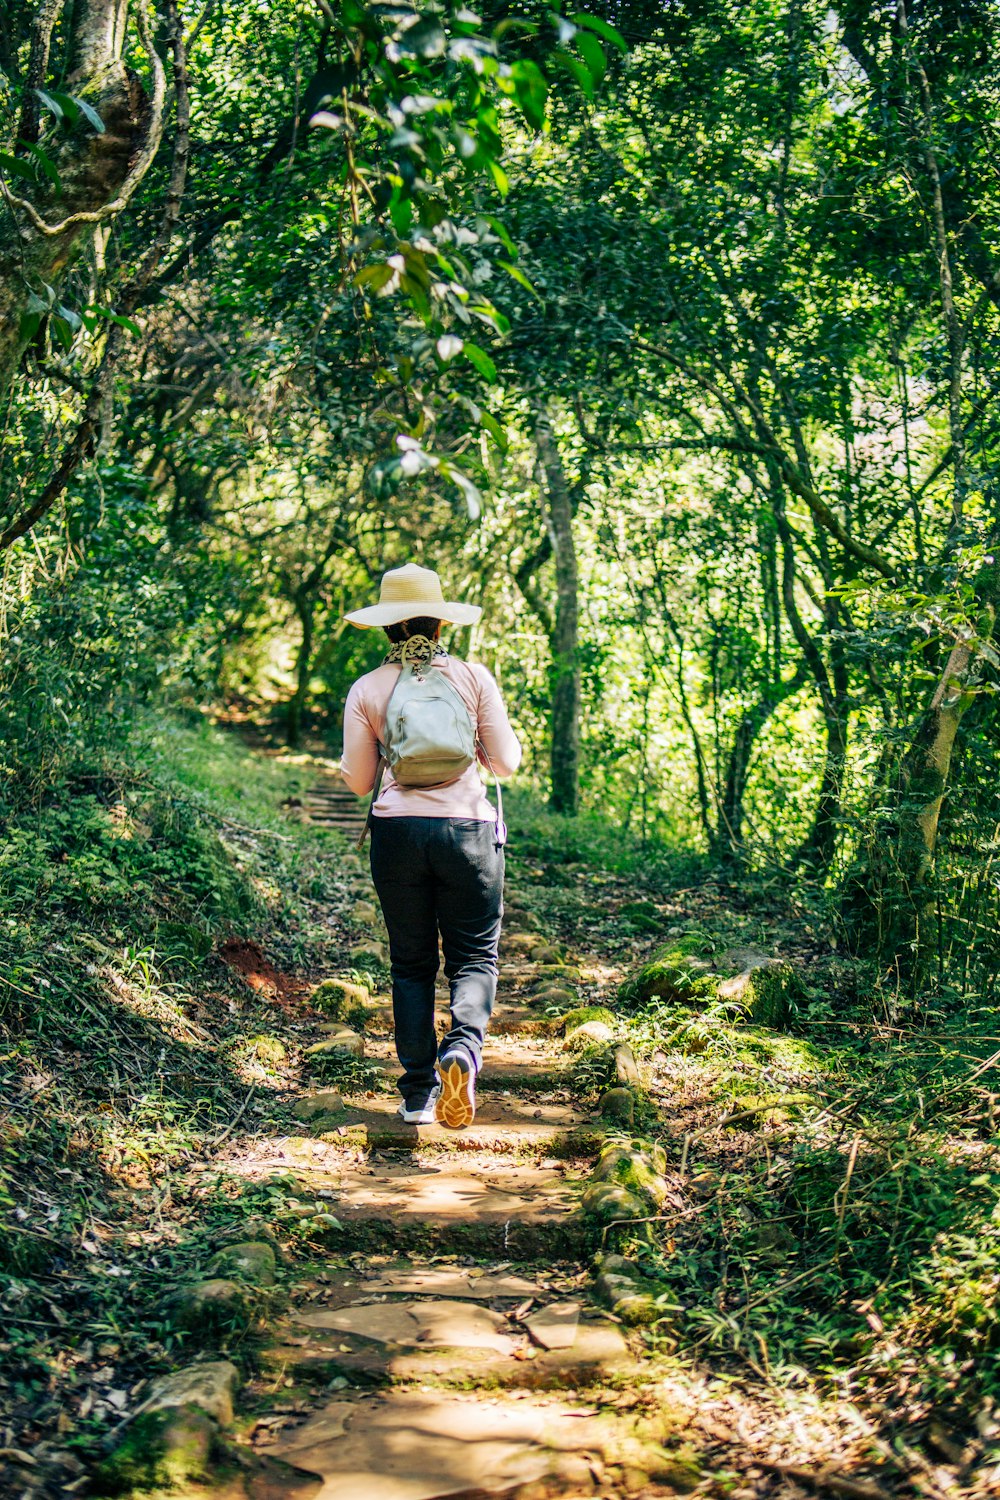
(434, 1329)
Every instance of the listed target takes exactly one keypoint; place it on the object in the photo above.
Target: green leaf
(593, 55)
(602, 28)
(46, 163)
(500, 178)
(501, 232)
(575, 67)
(496, 432)
(425, 39)
(17, 167)
(481, 361)
(518, 276)
(375, 277)
(73, 107)
(531, 90)
(53, 106)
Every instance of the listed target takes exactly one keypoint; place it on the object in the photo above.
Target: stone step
(422, 1445)
(504, 1124)
(315, 1349)
(509, 1209)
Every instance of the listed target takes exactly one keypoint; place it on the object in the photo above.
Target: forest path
(460, 1354)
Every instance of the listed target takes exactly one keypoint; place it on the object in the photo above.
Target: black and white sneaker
(419, 1110)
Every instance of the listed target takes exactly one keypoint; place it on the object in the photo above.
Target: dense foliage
(669, 333)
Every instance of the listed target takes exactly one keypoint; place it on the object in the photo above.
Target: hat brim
(448, 612)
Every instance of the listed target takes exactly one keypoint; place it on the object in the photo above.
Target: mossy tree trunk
(43, 230)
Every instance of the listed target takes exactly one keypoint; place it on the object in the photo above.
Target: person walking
(416, 731)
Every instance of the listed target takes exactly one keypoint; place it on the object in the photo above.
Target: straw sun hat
(409, 593)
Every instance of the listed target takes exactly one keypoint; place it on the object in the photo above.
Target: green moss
(642, 916)
(681, 970)
(335, 997)
(574, 1019)
(162, 1452)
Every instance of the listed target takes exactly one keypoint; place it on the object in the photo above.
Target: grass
(127, 1047)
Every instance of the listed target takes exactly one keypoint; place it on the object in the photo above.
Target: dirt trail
(462, 1353)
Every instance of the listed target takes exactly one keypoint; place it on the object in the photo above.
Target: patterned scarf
(417, 651)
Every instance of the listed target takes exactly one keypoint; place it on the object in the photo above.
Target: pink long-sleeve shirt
(364, 731)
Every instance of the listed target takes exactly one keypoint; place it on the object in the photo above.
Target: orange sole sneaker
(456, 1103)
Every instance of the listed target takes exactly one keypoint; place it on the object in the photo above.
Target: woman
(437, 851)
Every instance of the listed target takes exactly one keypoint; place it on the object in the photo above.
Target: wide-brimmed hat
(409, 593)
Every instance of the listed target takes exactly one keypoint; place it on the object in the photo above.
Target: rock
(618, 1104)
(564, 973)
(641, 916)
(329, 1102)
(628, 1300)
(252, 1262)
(554, 994)
(255, 1228)
(546, 953)
(364, 913)
(637, 1170)
(210, 1387)
(335, 996)
(344, 1043)
(207, 1306)
(590, 1034)
(626, 1070)
(269, 1050)
(164, 1451)
(607, 1201)
(518, 943)
(689, 970)
(369, 955)
(574, 1019)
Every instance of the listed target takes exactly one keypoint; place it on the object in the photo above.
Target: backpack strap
(382, 764)
(500, 826)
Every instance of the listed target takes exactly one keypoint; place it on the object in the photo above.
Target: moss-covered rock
(629, 1300)
(561, 973)
(210, 1386)
(609, 1201)
(574, 1019)
(641, 916)
(343, 1043)
(555, 994)
(217, 1305)
(694, 971)
(617, 1105)
(369, 956)
(546, 953)
(252, 1262)
(161, 1451)
(588, 1034)
(637, 1170)
(316, 1106)
(335, 997)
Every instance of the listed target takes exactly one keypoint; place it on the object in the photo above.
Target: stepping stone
(413, 1208)
(405, 1445)
(555, 1326)
(434, 1324)
(439, 1281)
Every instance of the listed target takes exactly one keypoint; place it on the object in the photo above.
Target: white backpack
(430, 739)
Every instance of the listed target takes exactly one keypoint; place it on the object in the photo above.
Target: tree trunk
(303, 674)
(565, 761)
(728, 840)
(93, 168)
